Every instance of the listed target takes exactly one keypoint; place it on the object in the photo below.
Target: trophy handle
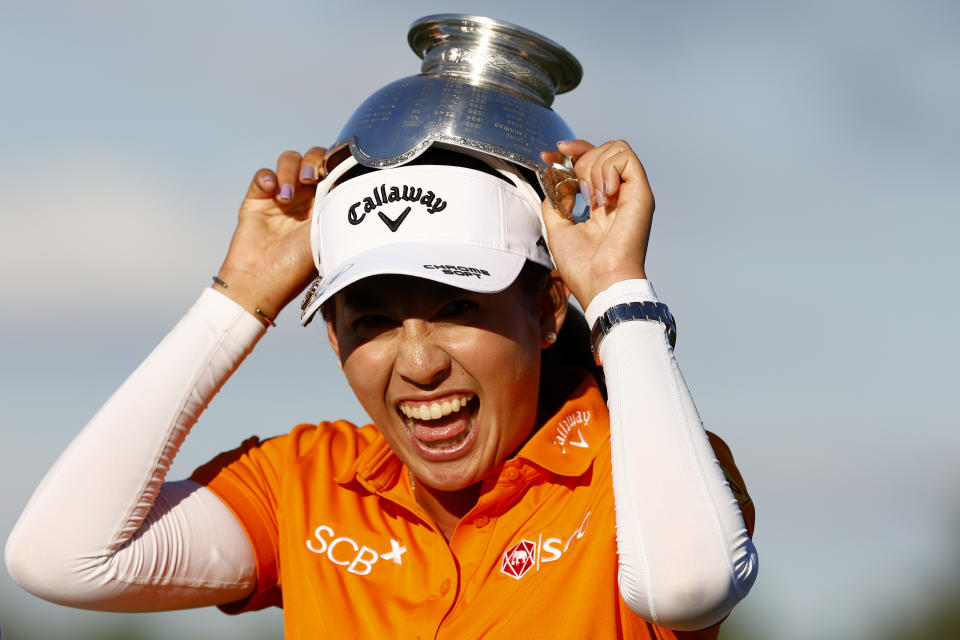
(560, 185)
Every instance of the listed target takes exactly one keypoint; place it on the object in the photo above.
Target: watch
(650, 311)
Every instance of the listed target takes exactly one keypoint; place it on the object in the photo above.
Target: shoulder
(333, 445)
(734, 479)
(340, 440)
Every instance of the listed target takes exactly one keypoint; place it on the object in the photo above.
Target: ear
(553, 305)
(332, 337)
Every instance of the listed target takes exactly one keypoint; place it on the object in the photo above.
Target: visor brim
(478, 269)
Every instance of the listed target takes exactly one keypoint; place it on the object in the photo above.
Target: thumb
(553, 220)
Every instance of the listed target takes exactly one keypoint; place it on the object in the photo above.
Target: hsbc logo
(346, 552)
(527, 554)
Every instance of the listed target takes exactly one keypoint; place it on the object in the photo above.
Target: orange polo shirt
(342, 545)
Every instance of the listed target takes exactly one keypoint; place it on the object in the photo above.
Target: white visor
(449, 224)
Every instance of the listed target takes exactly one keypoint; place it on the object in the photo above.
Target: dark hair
(562, 363)
(439, 155)
(434, 155)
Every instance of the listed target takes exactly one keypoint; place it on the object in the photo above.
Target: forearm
(685, 556)
(126, 549)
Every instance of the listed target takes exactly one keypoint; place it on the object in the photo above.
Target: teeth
(435, 410)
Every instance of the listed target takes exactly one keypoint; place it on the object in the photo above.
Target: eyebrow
(361, 300)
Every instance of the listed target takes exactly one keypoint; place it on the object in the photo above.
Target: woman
(495, 494)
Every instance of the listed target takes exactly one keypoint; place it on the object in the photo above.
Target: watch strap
(648, 310)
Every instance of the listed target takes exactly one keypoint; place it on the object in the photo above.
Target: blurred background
(805, 161)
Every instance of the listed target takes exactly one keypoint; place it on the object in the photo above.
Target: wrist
(600, 284)
(248, 293)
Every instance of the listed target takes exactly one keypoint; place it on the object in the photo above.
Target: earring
(550, 338)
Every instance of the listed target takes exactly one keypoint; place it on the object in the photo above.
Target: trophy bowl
(484, 85)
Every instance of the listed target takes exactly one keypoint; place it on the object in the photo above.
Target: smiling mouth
(440, 427)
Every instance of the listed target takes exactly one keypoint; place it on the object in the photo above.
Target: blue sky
(804, 160)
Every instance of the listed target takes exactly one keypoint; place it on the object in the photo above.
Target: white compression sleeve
(685, 556)
(102, 531)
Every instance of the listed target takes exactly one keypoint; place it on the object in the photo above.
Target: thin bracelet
(266, 317)
(260, 312)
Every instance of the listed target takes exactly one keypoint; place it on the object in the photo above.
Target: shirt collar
(569, 441)
(565, 445)
(376, 468)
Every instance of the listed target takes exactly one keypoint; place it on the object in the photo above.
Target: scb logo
(346, 552)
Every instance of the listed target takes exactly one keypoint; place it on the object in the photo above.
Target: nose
(421, 360)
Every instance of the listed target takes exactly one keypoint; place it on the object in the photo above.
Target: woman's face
(449, 376)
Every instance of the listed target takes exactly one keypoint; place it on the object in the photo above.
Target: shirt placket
(442, 583)
(470, 543)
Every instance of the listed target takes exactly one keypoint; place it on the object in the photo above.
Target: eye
(372, 323)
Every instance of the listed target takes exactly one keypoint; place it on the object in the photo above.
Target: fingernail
(267, 179)
(286, 193)
(560, 142)
(585, 190)
(308, 173)
(606, 189)
(601, 199)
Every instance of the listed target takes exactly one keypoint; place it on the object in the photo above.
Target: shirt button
(512, 473)
(445, 587)
(480, 521)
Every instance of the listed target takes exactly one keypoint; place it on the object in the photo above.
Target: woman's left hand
(612, 244)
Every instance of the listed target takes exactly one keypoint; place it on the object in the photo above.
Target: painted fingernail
(286, 193)
(585, 190)
(559, 142)
(308, 173)
(601, 199)
(606, 189)
(267, 179)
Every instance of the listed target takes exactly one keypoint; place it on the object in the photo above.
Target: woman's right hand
(269, 260)
(612, 244)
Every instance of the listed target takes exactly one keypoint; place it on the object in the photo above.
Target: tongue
(447, 427)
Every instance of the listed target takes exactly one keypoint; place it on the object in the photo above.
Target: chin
(448, 479)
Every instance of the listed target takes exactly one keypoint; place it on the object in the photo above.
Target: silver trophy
(484, 85)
